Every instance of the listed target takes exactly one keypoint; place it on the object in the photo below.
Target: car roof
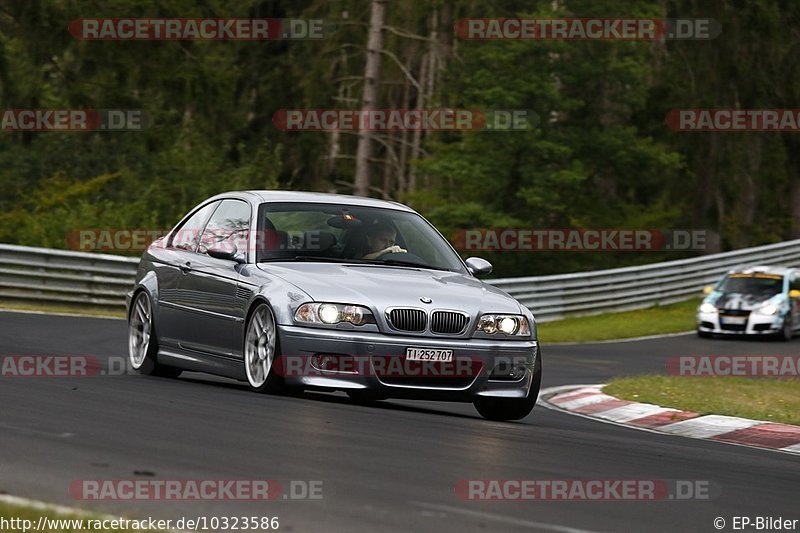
(274, 196)
(762, 269)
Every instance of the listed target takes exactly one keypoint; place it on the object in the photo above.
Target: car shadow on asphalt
(748, 338)
(326, 397)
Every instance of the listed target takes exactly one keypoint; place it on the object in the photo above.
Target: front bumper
(753, 324)
(376, 349)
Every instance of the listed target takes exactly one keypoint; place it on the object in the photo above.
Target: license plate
(733, 319)
(429, 354)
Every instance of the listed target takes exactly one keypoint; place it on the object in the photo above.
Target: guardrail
(102, 280)
(63, 277)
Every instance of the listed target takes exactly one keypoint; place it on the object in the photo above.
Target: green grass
(8, 512)
(71, 309)
(671, 318)
(773, 400)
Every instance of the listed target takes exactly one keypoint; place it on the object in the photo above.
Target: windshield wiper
(400, 262)
(321, 259)
(309, 258)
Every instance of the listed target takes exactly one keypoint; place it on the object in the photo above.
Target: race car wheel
(785, 333)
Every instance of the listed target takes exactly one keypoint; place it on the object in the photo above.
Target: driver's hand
(390, 250)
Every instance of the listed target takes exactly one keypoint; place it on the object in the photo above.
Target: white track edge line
(551, 390)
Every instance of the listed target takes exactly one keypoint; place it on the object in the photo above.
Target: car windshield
(765, 285)
(296, 231)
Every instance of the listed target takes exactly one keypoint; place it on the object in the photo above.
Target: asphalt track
(387, 468)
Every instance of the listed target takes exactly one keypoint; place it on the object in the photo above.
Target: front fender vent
(243, 292)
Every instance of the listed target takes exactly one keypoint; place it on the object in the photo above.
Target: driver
(380, 239)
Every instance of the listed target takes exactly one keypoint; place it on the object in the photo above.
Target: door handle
(186, 267)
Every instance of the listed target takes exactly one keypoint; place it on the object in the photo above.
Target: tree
(372, 72)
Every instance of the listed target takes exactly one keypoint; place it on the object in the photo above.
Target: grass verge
(16, 305)
(672, 318)
(22, 518)
(773, 400)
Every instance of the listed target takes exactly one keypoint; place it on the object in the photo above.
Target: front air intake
(408, 319)
(449, 322)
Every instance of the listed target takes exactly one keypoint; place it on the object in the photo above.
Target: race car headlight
(332, 313)
(768, 309)
(507, 324)
(708, 308)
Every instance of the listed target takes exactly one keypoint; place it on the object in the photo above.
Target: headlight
(508, 324)
(768, 309)
(707, 308)
(330, 313)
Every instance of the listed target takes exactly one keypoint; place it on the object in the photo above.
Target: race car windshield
(762, 285)
(299, 232)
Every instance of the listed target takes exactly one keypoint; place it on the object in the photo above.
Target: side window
(228, 225)
(187, 236)
(795, 282)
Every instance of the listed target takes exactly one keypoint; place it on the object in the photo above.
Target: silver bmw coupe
(297, 290)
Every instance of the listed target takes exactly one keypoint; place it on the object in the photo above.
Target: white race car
(758, 300)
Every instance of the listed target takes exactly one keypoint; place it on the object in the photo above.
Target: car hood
(389, 286)
(744, 302)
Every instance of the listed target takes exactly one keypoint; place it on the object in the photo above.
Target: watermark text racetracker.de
(587, 29)
(436, 364)
(196, 29)
(140, 239)
(774, 366)
(733, 120)
(54, 366)
(583, 489)
(64, 366)
(444, 119)
(175, 489)
(195, 489)
(115, 239)
(583, 239)
(72, 120)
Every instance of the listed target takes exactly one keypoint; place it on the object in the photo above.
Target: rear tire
(142, 341)
(501, 409)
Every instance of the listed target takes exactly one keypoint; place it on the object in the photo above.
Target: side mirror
(794, 293)
(227, 252)
(478, 266)
(708, 290)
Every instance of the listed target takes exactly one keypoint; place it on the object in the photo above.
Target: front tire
(502, 409)
(142, 343)
(260, 349)
(785, 334)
